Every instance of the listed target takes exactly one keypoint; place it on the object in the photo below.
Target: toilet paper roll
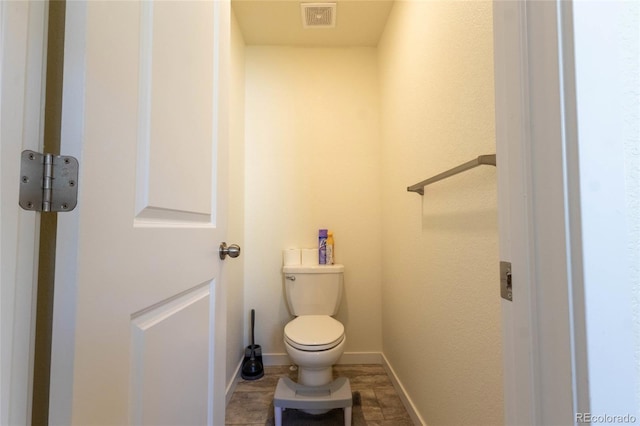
(291, 257)
(310, 257)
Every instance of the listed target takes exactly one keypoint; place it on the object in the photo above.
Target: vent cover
(318, 15)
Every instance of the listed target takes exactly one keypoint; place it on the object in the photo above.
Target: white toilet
(314, 340)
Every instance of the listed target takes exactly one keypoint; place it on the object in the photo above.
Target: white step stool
(290, 394)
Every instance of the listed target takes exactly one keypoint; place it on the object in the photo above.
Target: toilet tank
(313, 290)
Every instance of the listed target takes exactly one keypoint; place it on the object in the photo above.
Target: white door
(22, 47)
(139, 327)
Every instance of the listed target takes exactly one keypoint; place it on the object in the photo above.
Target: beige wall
(313, 161)
(441, 307)
(235, 267)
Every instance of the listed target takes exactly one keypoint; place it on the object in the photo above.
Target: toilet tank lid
(314, 269)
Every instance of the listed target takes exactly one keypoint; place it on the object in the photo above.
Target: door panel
(141, 273)
(163, 359)
(22, 50)
(176, 112)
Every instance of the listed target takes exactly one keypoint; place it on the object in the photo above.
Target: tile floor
(375, 401)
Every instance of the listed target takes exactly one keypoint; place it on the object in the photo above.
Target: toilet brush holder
(257, 354)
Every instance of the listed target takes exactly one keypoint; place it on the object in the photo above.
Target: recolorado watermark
(605, 418)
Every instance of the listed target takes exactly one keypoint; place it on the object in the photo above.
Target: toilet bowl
(314, 343)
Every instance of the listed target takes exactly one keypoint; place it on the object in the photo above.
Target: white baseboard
(408, 404)
(231, 386)
(270, 360)
(349, 358)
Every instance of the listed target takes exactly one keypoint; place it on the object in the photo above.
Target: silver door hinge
(506, 283)
(48, 183)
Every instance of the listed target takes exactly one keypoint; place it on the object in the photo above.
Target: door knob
(233, 250)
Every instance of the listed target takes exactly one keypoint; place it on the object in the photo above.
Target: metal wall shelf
(488, 160)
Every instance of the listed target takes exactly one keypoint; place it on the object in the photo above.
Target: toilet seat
(314, 333)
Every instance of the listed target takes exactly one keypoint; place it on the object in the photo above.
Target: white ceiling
(269, 22)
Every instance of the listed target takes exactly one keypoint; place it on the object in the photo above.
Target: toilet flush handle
(290, 277)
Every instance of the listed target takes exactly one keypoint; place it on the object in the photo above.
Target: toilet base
(315, 368)
(315, 376)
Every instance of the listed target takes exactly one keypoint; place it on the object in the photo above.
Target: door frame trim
(539, 218)
(72, 132)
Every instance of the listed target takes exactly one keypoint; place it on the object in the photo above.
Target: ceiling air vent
(318, 15)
